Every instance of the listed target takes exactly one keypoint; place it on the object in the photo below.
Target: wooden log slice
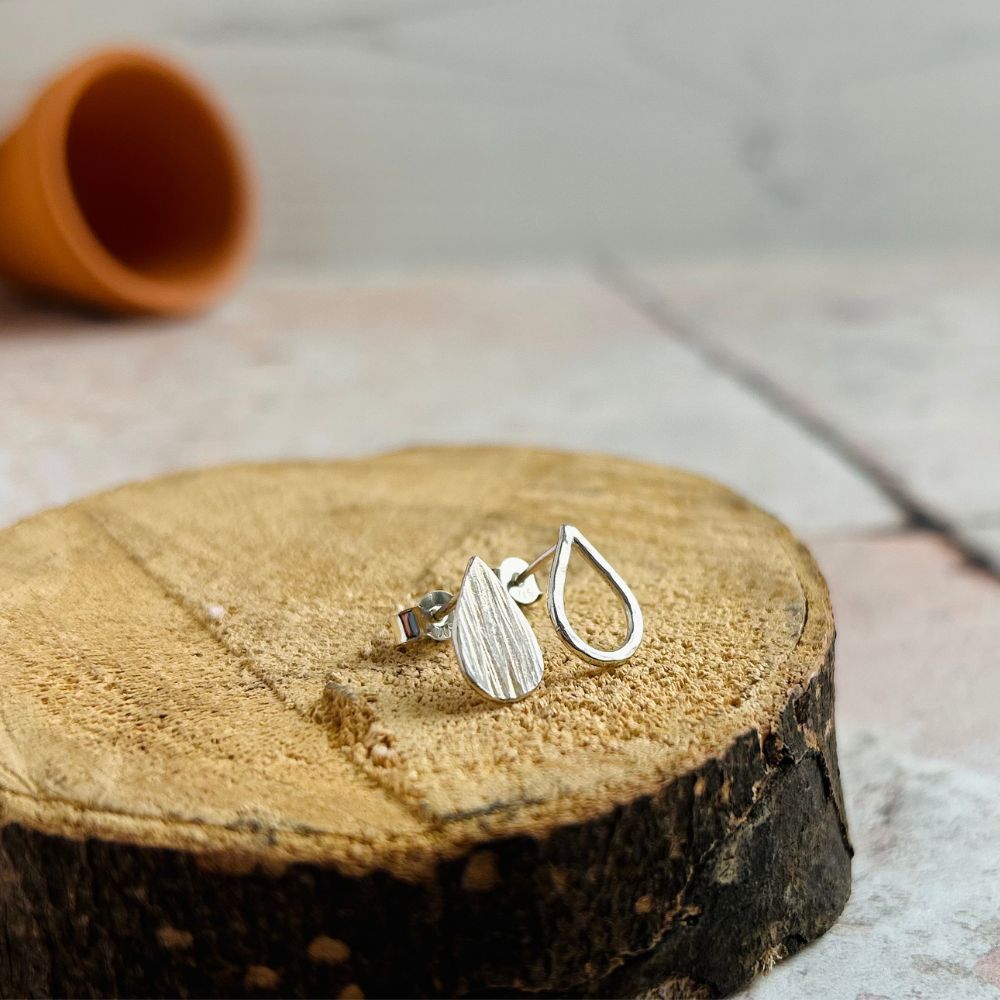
(220, 778)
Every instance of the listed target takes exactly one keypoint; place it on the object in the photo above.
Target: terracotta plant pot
(124, 188)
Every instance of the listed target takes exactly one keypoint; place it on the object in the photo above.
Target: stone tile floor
(857, 399)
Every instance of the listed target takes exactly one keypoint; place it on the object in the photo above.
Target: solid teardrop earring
(497, 651)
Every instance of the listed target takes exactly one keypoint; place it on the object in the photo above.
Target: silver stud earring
(496, 647)
(497, 650)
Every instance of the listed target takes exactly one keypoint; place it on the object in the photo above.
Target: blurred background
(758, 241)
(402, 132)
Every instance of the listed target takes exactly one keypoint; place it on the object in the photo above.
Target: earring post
(439, 612)
(532, 566)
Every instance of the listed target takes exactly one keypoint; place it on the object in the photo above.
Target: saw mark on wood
(243, 658)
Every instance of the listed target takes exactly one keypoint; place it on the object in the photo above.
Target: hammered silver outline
(570, 536)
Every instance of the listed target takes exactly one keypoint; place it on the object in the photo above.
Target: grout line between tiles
(615, 276)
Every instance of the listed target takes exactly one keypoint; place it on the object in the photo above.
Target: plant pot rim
(131, 289)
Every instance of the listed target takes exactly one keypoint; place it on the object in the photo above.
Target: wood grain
(217, 772)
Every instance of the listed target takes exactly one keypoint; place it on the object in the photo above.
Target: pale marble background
(414, 131)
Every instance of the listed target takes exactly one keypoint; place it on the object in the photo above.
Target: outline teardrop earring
(560, 554)
(497, 650)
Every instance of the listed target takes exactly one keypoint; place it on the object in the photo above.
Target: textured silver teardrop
(568, 537)
(496, 646)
